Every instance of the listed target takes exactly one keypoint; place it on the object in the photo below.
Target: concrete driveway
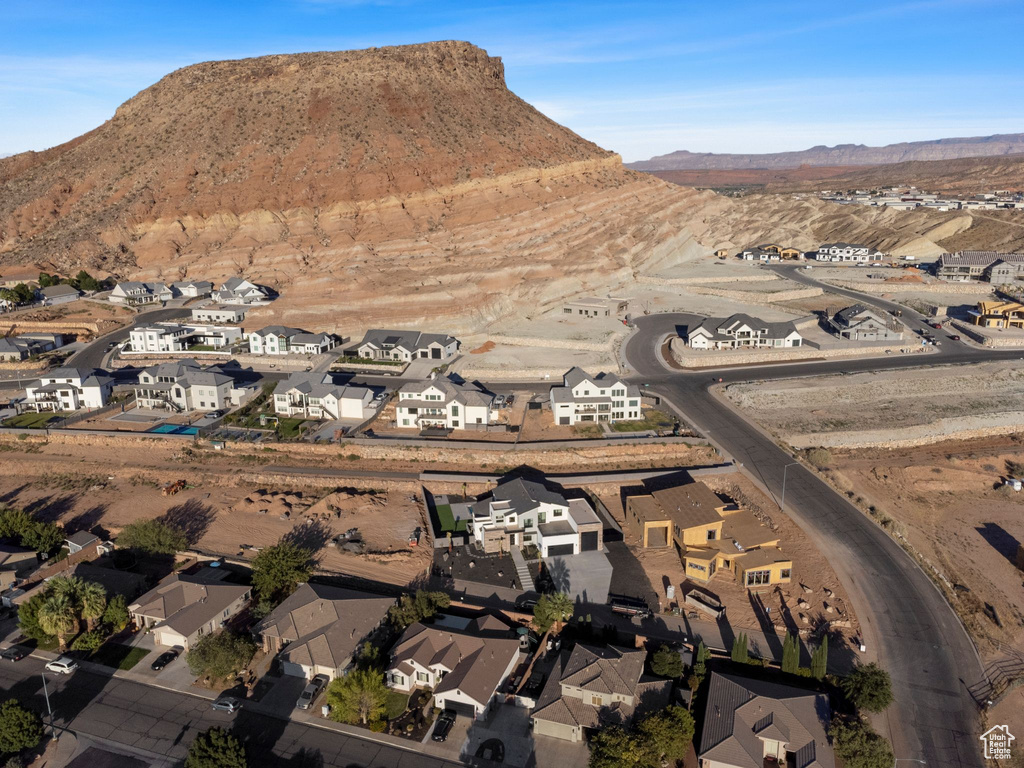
(585, 577)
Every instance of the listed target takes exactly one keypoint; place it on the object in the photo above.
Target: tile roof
(185, 602)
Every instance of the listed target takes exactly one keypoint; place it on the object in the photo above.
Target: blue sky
(639, 78)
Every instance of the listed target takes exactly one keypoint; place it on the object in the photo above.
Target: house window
(542, 517)
(786, 573)
(528, 523)
(397, 679)
(556, 513)
(422, 677)
(696, 567)
(595, 701)
(712, 534)
(758, 578)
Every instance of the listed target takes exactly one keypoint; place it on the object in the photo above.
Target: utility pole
(46, 693)
(782, 506)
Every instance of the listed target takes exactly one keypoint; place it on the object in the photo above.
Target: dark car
(526, 603)
(163, 660)
(444, 724)
(955, 337)
(311, 691)
(14, 653)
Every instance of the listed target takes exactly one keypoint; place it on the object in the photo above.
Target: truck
(629, 606)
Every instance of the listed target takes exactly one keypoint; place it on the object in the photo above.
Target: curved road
(907, 623)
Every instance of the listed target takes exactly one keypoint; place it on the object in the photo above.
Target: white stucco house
(316, 396)
(238, 290)
(220, 313)
(443, 403)
(585, 398)
(406, 345)
(176, 337)
(184, 386)
(282, 340)
(68, 389)
(741, 331)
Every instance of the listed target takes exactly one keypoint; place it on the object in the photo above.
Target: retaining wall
(689, 358)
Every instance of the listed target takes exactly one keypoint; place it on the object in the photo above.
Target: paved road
(92, 355)
(906, 621)
(165, 722)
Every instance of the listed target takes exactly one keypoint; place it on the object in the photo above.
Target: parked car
(937, 326)
(65, 665)
(227, 704)
(526, 603)
(509, 399)
(499, 401)
(164, 659)
(955, 337)
(14, 653)
(311, 691)
(444, 724)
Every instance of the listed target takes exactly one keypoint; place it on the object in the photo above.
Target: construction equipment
(170, 489)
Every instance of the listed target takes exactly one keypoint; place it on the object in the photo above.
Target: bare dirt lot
(888, 409)
(946, 503)
(744, 611)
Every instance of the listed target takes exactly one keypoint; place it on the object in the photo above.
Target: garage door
(461, 708)
(588, 541)
(436, 353)
(560, 549)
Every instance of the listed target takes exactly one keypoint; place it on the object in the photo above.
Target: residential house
(68, 389)
(759, 254)
(592, 688)
(406, 346)
(183, 386)
(175, 337)
(238, 290)
(81, 540)
(135, 293)
(995, 267)
(861, 323)
(443, 403)
(316, 396)
(187, 605)
(520, 513)
(220, 313)
(583, 398)
(15, 348)
(319, 629)
(739, 331)
(592, 306)
(52, 295)
(998, 314)
(756, 723)
(847, 252)
(791, 253)
(15, 563)
(193, 289)
(281, 340)
(464, 666)
(709, 534)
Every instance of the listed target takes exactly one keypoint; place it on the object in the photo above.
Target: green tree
(30, 533)
(28, 619)
(216, 748)
(551, 609)
(278, 570)
(20, 728)
(93, 601)
(666, 662)
(46, 280)
(615, 747)
(819, 659)
(868, 687)
(790, 654)
(740, 649)
(412, 608)
(57, 617)
(86, 282)
(88, 641)
(116, 614)
(220, 655)
(700, 662)
(152, 536)
(667, 733)
(858, 746)
(358, 697)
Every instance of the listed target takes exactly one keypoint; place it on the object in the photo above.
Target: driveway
(585, 577)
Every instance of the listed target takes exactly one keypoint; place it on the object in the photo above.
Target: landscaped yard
(367, 361)
(122, 657)
(587, 430)
(448, 522)
(653, 420)
(288, 429)
(32, 420)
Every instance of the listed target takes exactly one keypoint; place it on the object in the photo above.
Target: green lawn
(122, 657)
(367, 361)
(654, 420)
(288, 429)
(31, 420)
(397, 703)
(448, 521)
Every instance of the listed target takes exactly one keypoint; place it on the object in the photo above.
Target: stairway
(522, 572)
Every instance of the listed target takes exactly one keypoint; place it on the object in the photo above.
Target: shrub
(152, 536)
(221, 654)
(20, 728)
(216, 748)
(819, 458)
(88, 641)
(413, 608)
(116, 614)
(868, 687)
(667, 662)
(858, 746)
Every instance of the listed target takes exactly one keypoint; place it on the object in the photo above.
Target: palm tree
(57, 616)
(94, 602)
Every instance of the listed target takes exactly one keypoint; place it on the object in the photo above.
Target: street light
(46, 693)
(782, 506)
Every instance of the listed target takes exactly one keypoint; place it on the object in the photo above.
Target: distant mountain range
(840, 155)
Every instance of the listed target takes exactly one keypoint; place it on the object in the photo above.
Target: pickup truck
(629, 606)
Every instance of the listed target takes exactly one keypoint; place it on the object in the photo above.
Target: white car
(64, 665)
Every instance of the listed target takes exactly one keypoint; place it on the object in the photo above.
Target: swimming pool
(174, 429)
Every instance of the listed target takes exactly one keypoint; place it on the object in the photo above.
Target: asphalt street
(907, 623)
(165, 722)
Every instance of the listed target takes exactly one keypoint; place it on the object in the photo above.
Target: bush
(413, 608)
(819, 458)
(116, 614)
(216, 748)
(667, 662)
(88, 641)
(20, 728)
(378, 726)
(152, 536)
(858, 746)
(277, 570)
(221, 654)
(868, 687)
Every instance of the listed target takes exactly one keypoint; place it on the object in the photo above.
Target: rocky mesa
(385, 185)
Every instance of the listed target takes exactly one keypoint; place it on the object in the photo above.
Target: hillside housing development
(583, 398)
(281, 340)
(316, 396)
(991, 266)
(405, 346)
(443, 403)
(741, 331)
(67, 389)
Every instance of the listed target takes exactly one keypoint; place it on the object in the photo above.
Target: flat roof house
(281, 340)
(860, 323)
(177, 337)
(443, 403)
(755, 723)
(183, 386)
(67, 389)
(583, 398)
(318, 629)
(591, 688)
(316, 396)
(522, 512)
(186, 606)
(739, 331)
(220, 313)
(847, 252)
(406, 345)
(465, 667)
(593, 306)
(709, 534)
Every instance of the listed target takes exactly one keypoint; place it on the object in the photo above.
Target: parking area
(586, 576)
